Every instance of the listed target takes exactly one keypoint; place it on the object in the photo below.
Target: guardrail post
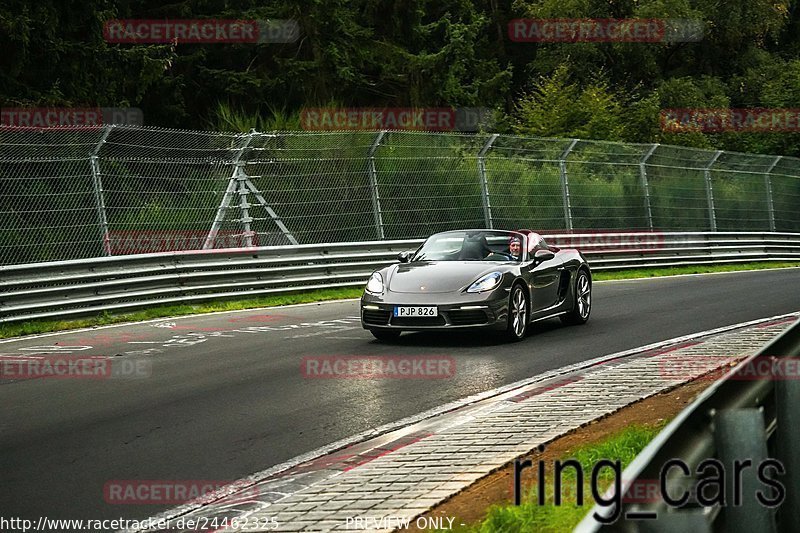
(768, 187)
(565, 184)
(646, 185)
(373, 186)
(787, 449)
(233, 183)
(712, 215)
(487, 206)
(99, 197)
(740, 435)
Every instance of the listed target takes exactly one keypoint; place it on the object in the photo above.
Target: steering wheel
(499, 256)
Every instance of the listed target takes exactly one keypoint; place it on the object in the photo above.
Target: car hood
(426, 277)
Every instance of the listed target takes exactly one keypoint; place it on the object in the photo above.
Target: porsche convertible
(492, 279)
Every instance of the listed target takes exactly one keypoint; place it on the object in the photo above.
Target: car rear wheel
(517, 314)
(583, 301)
(385, 334)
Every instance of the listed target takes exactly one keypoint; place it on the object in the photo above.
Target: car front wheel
(517, 314)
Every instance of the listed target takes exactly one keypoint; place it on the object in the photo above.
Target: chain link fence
(71, 193)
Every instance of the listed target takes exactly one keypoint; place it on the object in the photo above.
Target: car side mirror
(543, 255)
(404, 257)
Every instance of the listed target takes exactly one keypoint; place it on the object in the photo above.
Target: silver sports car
(501, 280)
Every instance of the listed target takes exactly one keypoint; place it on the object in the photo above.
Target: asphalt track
(224, 394)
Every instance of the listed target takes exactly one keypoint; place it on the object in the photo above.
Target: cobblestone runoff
(382, 484)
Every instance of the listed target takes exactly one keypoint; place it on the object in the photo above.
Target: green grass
(530, 516)
(47, 326)
(637, 273)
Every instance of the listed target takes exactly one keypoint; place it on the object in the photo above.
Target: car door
(543, 280)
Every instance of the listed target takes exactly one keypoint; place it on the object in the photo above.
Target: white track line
(163, 319)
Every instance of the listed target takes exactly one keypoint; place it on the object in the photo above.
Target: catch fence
(77, 193)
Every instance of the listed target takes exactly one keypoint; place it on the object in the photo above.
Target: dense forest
(413, 53)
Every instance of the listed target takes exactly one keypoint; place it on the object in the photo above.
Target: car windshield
(473, 245)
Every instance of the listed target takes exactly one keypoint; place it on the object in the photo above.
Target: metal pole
(271, 212)
(768, 186)
(226, 198)
(244, 206)
(712, 215)
(99, 198)
(565, 184)
(487, 206)
(646, 185)
(373, 185)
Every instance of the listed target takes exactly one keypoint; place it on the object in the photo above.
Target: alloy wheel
(584, 296)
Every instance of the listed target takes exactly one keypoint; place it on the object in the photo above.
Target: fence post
(244, 206)
(768, 186)
(99, 197)
(646, 185)
(487, 206)
(565, 184)
(373, 186)
(712, 215)
(233, 182)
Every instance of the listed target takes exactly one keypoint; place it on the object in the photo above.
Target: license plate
(416, 311)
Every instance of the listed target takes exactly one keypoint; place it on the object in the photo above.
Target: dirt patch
(471, 505)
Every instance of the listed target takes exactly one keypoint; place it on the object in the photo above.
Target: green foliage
(54, 55)
(559, 108)
(415, 53)
(225, 118)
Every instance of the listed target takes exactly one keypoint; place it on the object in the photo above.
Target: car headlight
(486, 283)
(375, 284)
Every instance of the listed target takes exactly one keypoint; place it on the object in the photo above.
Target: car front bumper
(483, 311)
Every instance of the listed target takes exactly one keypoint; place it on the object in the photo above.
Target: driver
(515, 248)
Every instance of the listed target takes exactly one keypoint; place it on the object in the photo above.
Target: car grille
(376, 317)
(418, 321)
(467, 318)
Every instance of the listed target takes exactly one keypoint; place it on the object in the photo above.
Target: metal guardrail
(734, 420)
(119, 283)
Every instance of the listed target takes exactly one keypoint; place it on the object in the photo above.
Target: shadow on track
(469, 337)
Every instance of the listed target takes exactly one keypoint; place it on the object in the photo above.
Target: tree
(557, 107)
